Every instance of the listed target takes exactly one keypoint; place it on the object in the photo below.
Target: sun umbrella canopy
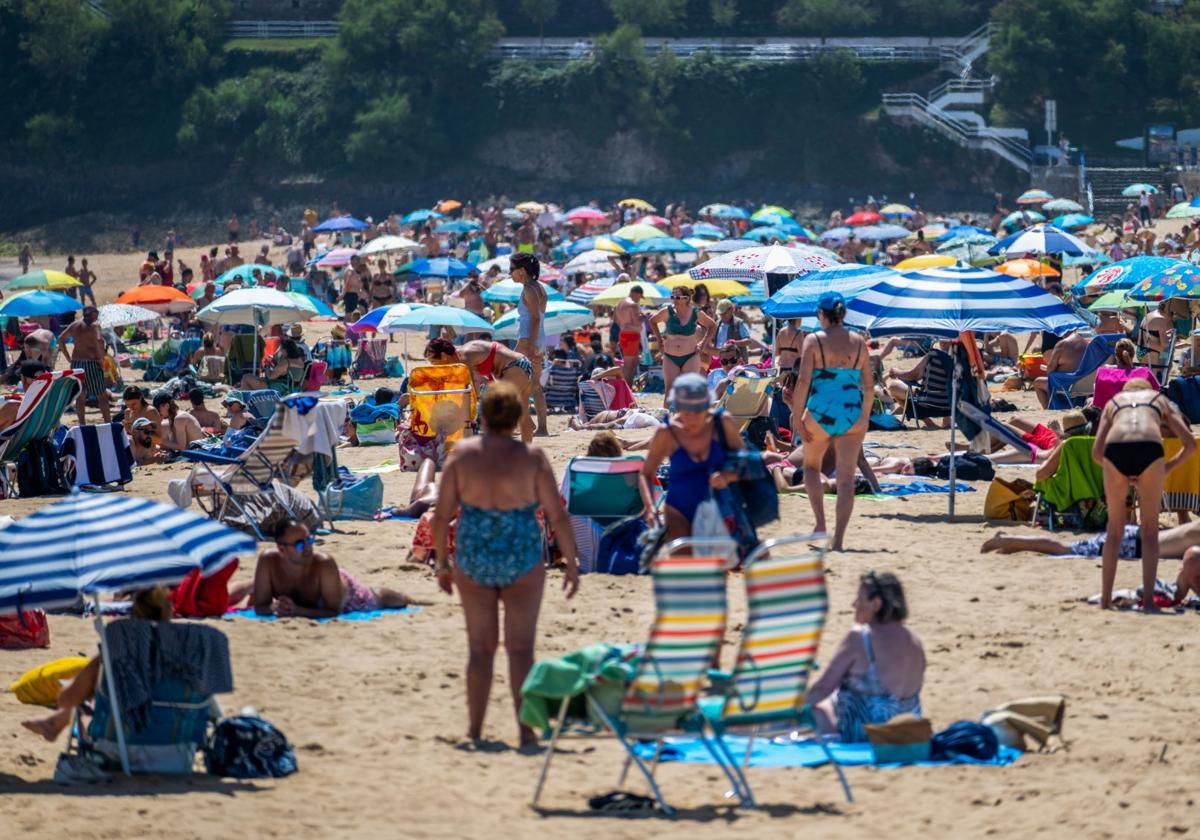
(660, 222)
(619, 291)
(244, 274)
(421, 216)
(776, 210)
(561, 317)
(931, 231)
(767, 234)
(661, 245)
(586, 214)
(1123, 274)
(985, 239)
(1137, 189)
(159, 298)
(590, 289)
(320, 308)
(1034, 197)
(418, 320)
(1183, 210)
(925, 261)
(798, 299)
(590, 262)
(1022, 217)
(756, 296)
(458, 226)
(123, 314)
(707, 230)
(970, 254)
(962, 230)
(371, 321)
(340, 223)
(756, 263)
(1091, 259)
(389, 245)
(1027, 268)
(862, 217)
(638, 232)
(947, 301)
(512, 214)
(882, 233)
(510, 291)
(770, 217)
(836, 234)
(81, 546)
(441, 267)
(46, 279)
(1177, 281)
(448, 205)
(716, 288)
(1070, 221)
(638, 204)
(723, 211)
(336, 257)
(1040, 239)
(39, 303)
(896, 210)
(1062, 205)
(1115, 301)
(531, 207)
(256, 306)
(726, 246)
(596, 243)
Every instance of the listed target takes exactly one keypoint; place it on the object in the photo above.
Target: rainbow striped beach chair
(689, 625)
(39, 414)
(787, 603)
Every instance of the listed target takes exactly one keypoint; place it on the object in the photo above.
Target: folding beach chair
(748, 395)
(1066, 390)
(371, 359)
(38, 416)
(562, 386)
(604, 488)
(931, 397)
(591, 400)
(178, 721)
(995, 428)
(251, 473)
(314, 376)
(1162, 370)
(689, 624)
(168, 361)
(442, 399)
(1074, 495)
(244, 351)
(786, 604)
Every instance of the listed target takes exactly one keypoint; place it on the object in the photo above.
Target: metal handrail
(967, 134)
(961, 86)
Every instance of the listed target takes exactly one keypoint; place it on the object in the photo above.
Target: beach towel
(388, 465)
(783, 752)
(366, 615)
(367, 412)
(99, 455)
(203, 597)
(914, 488)
(1077, 478)
(1181, 488)
(1110, 380)
(550, 680)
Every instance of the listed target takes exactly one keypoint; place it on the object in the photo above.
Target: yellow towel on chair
(1181, 490)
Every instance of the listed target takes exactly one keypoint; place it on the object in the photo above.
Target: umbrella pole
(113, 702)
(953, 430)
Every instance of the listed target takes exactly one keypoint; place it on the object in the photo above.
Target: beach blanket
(388, 465)
(365, 615)
(369, 413)
(783, 752)
(913, 488)
(386, 513)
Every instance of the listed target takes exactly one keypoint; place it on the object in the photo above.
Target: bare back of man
(87, 355)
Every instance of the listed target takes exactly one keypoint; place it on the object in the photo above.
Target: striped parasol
(93, 544)
(1040, 239)
(589, 290)
(953, 299)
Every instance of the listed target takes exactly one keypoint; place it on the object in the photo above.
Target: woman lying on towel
(879, 667)
(292, 579)
(148, 605)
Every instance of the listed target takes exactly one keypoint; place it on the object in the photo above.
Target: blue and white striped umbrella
(946, 301)
(91, 544)
(799, 298)
(585, 293)
(1040, 239)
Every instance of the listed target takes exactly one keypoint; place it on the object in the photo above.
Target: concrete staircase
(1108, 181)
(948, 109)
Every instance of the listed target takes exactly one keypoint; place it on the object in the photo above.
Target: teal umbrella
(1072, 220)
(418, 320)
(1134, 190)
(37, 304)
(1019, 216)
(561, 317)
(244, 273)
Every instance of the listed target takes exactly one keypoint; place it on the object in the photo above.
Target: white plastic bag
(708, 521)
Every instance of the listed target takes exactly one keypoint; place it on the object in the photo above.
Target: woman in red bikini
(490, 361)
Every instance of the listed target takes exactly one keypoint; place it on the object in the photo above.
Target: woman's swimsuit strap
(1152, 403)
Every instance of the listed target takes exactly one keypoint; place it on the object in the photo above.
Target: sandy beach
(377, 711)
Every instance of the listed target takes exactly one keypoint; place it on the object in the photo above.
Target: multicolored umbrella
(39, 303)
(336, 257)
(45, 279)
(371, 321)
(1034, 197)
(585, 293)
(1176, 281)
(896, 210)
(1123, 274)
(596, 243)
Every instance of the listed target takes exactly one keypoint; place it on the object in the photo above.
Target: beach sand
(376, 710)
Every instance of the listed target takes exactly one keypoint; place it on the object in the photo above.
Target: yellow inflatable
(40, 686)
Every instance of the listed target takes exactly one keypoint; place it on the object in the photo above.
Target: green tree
(649, 14)
(540, 11)
(723, 12)
(821, 16)
(59, 40)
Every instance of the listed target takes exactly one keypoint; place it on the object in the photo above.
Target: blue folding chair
(1062, 388)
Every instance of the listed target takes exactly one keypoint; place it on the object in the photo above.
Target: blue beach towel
(783, 752)
(368, 615)
(913, 488)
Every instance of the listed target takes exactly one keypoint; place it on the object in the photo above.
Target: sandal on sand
(620, 800)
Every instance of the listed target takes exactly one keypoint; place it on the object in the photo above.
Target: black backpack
(968, 466)
(244, 747)
(39, 471)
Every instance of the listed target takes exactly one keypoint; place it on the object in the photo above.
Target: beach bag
(964, 738)
(39, 472)
(884, 423)
(377, 433)
(1010, 500)
(392, 367)
(244, 747)
(620, 549)
(968, 466)
(754, 490)
(26, 629)
(354, 497)
(708, 523)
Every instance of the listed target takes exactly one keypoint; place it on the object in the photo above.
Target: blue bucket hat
(689, 392)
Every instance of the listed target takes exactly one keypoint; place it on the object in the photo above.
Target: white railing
(969, 136)
(745, 51)
(281, 28)
(961, 86)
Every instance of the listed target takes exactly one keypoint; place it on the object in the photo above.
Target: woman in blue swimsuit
(696, 439)
(830, 406)
(495, 485)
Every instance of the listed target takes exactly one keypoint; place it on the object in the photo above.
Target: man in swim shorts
(87, 355)
(628, 317)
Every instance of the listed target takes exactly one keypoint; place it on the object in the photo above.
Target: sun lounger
(748, 395)
(39, 414)
(1066, 390)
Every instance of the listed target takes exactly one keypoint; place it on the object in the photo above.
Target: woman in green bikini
(685, 337)
(831, 404)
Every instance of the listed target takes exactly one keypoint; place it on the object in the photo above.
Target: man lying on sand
(292, 579)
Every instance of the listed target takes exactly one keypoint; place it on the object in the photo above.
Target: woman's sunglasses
(300, 545)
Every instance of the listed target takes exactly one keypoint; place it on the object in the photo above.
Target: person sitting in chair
(9, 408)
(285, 372)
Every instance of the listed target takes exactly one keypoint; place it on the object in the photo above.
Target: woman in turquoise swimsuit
(830, 406)
(495, 485)
(683, 331)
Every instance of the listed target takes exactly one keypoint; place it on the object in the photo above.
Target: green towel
(551, 680)
(1077, 478)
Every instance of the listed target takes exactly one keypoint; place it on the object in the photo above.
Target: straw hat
(338, 331)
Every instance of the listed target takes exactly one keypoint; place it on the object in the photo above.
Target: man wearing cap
(730, 328)
(628, 317)
(144, 442)
(296, 333)
(235, 404)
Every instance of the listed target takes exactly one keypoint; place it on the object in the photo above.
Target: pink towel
(622, 395)
(1110, 380)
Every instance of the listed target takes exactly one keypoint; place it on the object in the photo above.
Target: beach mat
(389, 465)
(897, 491)
(783, 752)
(366, 615)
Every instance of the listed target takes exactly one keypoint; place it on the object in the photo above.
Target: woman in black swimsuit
(1129, 446)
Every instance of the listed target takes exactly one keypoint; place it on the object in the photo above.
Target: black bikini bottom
(1131, 457)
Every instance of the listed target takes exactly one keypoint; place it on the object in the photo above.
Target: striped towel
(100, 454)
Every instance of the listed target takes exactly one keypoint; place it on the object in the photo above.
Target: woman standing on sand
(495, 485)
(1129, 446)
